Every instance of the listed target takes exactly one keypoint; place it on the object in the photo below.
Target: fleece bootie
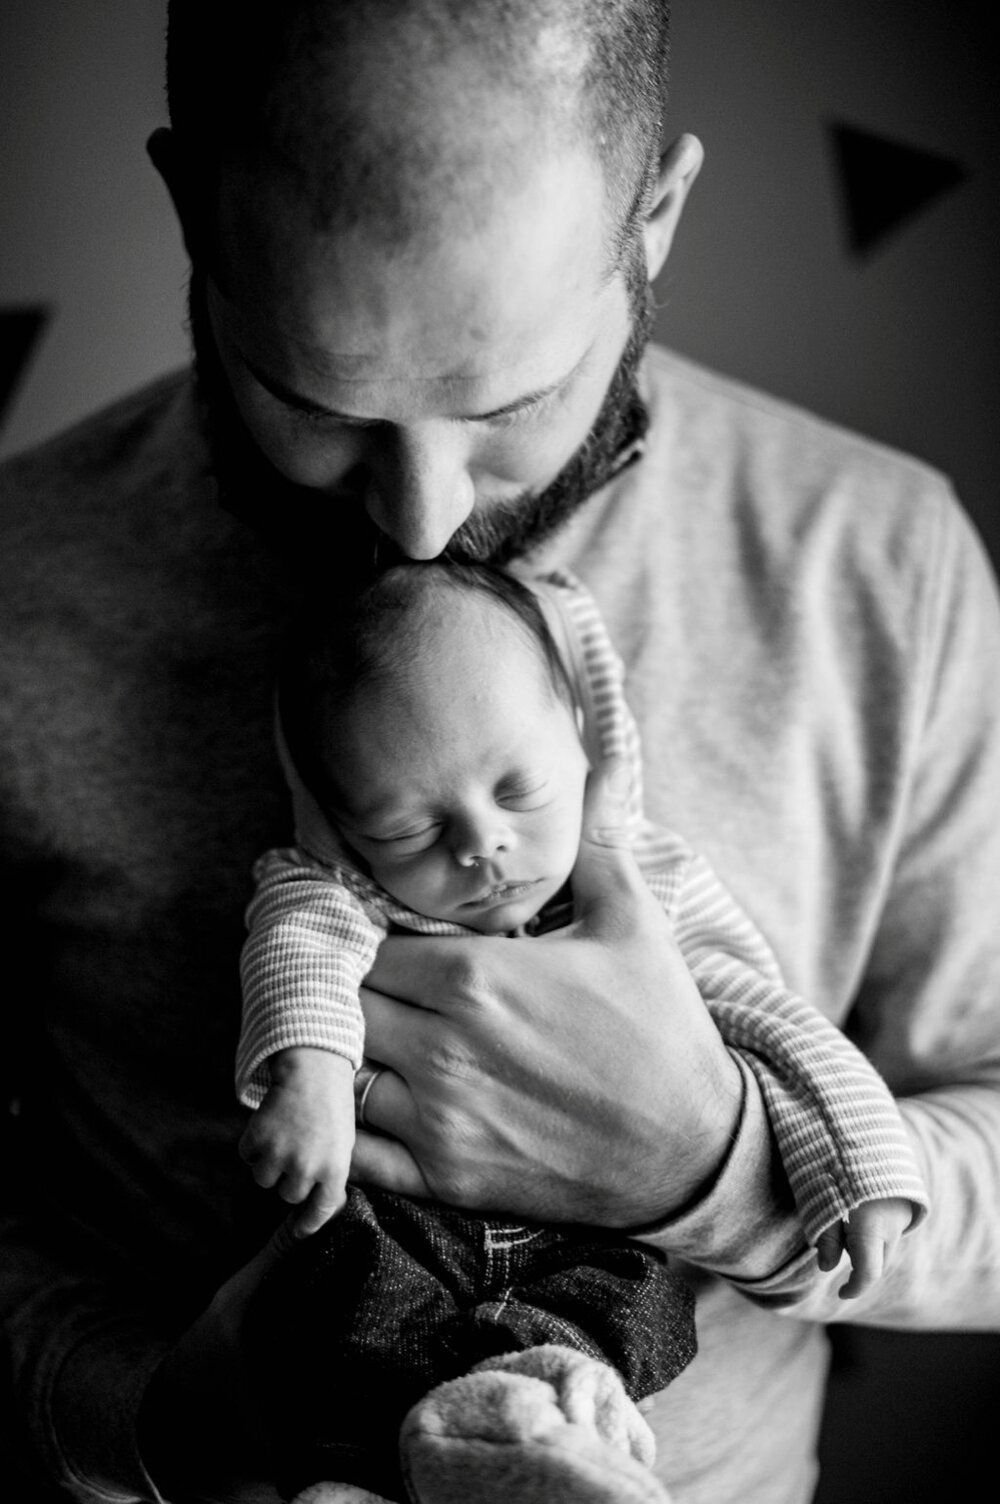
(337, 1493)
(545, 1426)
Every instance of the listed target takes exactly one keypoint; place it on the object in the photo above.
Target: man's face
(457, 389)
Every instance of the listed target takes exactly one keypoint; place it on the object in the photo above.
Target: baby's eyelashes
(523, 795)
(405, 840)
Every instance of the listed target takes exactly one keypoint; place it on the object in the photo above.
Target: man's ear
(166, 158)
(679, 166)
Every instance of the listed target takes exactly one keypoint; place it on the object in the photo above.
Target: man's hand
(576, 1077)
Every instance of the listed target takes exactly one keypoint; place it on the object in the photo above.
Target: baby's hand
(301, 1137)
(871, 1236)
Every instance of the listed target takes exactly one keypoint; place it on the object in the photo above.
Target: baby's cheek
(417, 887)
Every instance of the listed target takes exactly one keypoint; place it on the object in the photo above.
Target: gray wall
(901, 344)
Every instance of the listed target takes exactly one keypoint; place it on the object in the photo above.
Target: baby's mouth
(501, 893)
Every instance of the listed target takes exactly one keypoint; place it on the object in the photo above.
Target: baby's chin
(511, 917)
(500, 917)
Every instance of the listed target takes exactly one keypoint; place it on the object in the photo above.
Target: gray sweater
(812, 640)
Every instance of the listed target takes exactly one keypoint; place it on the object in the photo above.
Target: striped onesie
(316, 921)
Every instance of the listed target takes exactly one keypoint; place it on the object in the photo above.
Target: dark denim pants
(395, 1296)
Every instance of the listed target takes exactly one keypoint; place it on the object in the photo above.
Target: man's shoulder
(752, 497)
(713, 423)
(145, 440)
(750, 464)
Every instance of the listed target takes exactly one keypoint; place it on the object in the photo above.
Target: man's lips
(501, 893)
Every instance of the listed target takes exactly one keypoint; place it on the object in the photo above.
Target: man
(421, 234)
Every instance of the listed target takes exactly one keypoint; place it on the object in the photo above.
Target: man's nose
(420, 491)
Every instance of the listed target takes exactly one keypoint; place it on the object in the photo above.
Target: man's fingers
(396, 1028)
(605, 870)
(281, 1241)
(387, 1163)
(389, 1108)
(402, 963)
(229, 1302)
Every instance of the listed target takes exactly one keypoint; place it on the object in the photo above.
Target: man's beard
(329, 533)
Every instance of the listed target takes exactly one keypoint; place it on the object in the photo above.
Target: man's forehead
(522, 290)
(414, 380)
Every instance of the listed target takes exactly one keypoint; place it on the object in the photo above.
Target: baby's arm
(870, 1236)
(300, 1139)
(839, 1133)
(311, 940)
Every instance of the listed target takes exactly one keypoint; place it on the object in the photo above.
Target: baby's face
(462, 789)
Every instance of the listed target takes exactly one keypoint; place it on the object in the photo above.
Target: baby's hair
(374, 637)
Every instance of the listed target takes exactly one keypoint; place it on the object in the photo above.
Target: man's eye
(518, 418)
(528, 413)
(316, 418)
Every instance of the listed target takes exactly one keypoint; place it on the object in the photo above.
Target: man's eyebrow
(318, 409)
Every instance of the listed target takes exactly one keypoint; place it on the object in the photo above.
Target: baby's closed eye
(523, 794)
(403, 842)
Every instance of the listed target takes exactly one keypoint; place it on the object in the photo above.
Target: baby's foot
(337, 1493)
(545, 1426)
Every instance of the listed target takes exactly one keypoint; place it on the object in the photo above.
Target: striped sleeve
(311, 942)
(839, 1132)
(598, 676)
(314, 927)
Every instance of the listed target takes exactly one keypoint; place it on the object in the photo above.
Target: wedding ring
(363, 1083)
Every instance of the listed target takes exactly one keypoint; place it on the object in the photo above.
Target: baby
(438, 740)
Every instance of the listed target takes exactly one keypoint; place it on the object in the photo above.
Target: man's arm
(596, 1119)
(80, 1356)
(107, 1403)
(208, 1392)
(928, 1010)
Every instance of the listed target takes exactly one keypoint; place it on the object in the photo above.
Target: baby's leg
(549, 1425)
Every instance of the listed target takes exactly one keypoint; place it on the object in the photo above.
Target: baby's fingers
(266, 1165)
(259, 1150)
(322, 1203)
(830, 1246)
(867, 1248)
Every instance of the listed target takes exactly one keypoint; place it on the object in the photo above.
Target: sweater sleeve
(311, 941)
(928, 1008)
(838, 1131)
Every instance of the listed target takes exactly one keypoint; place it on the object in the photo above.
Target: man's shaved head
(422, 234)
(387, 110)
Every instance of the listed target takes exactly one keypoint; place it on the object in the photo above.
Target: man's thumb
(605, 863)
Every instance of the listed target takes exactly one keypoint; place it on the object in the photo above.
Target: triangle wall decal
(885, 183)
(20, 331)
